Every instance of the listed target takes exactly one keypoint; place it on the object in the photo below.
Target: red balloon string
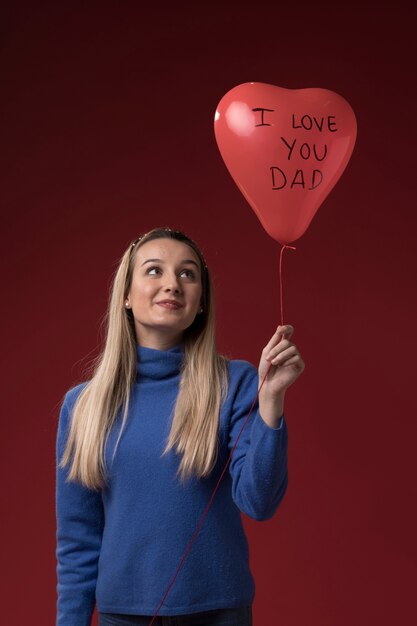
(230, 456)
(280, 280)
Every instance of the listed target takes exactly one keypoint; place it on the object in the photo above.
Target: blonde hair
(202, 390)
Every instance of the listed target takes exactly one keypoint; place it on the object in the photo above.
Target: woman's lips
(170, 305)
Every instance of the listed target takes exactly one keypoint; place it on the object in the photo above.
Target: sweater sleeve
(259, 463)
(80, 522)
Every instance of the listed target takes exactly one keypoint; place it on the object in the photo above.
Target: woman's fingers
(279, 356)
(296, 361)
(286, 330)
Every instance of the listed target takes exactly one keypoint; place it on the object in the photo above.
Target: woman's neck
(158, 341)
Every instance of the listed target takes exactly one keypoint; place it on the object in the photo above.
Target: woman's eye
(189, 273)
(153, 270)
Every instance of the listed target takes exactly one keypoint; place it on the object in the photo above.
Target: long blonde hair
(202, 390)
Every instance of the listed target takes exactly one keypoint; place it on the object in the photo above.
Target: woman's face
(166, 292)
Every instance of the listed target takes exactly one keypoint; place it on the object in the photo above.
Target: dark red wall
(107, 131)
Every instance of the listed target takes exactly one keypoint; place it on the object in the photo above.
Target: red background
(107, 131)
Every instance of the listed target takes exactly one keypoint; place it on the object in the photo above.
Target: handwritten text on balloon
(306, 150)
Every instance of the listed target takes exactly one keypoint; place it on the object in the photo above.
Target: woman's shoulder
(67, 405)
(240, 369)
(73, 393)
(243, 381)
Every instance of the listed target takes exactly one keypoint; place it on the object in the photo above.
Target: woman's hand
(287, 365)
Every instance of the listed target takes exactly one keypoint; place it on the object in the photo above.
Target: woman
(141, 446)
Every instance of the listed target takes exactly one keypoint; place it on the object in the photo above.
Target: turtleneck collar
(155, 364)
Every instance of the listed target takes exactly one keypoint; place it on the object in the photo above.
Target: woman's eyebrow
(161, 261)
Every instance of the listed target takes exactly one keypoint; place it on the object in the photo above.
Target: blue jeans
(219, 617)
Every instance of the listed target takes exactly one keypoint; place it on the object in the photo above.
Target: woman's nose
(172, 284)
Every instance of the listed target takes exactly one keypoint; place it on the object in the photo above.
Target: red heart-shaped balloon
(285, 149)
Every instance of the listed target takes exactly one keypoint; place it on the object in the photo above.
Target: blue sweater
(120, 547)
